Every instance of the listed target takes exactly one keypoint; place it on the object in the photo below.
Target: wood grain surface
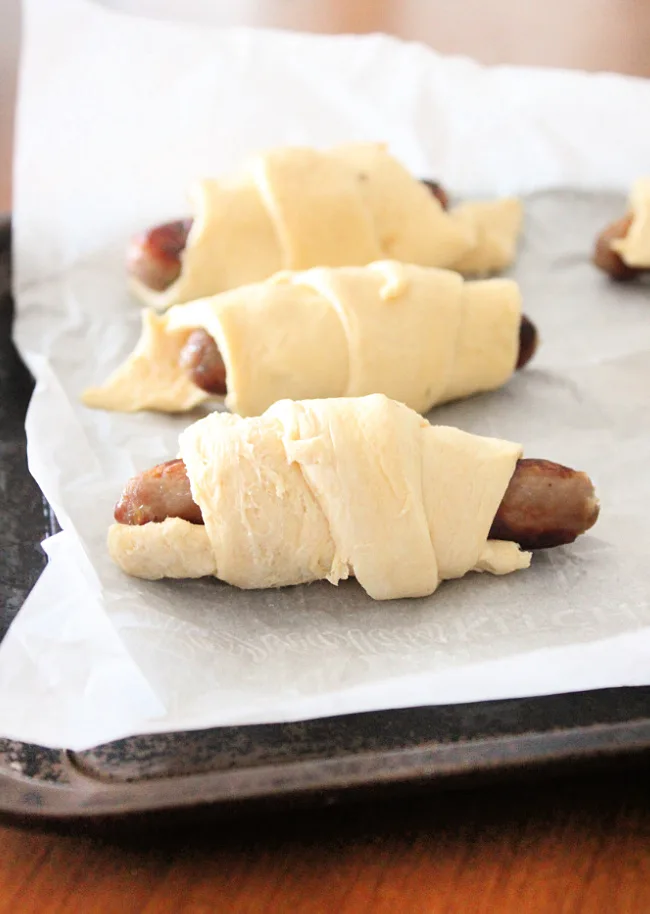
(571, 846)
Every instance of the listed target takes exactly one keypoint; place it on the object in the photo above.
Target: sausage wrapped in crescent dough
(328, 489)
(623, 248)
(420, 336)
(295, 208)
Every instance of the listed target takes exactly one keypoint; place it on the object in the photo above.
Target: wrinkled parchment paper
(116, 115)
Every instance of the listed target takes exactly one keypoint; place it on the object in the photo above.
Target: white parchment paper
(117, 114)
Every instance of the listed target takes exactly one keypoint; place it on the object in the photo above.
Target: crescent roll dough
(328, 489)
(421, 336)
(634, 249)
(296, 208)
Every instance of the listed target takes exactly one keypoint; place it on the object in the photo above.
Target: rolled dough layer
(329, 489)
(421, 336)
(497, 224)
(295, 208)
(634, 249)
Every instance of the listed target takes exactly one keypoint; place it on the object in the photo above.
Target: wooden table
(578, 846)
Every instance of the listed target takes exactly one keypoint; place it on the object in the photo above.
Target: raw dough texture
(329, 489)
(295, 208)
(421, 336)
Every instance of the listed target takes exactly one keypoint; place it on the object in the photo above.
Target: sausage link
(608, 260)
(154, 256)
(545, 504)
(528, 341)
(201, 359)
(151, 496)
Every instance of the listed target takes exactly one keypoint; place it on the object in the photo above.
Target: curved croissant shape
(420, 336)
(296, 208)
(329, 489)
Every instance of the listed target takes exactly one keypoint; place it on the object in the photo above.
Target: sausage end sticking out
(607, 259)
(545, 505)
(528, 341)
(151, 496)
(154, 257)
(201, 359)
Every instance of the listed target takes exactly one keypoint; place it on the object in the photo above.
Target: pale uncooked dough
(498, 224)
(295, 208)
(634, 249)
(329, 489)
(421, 336)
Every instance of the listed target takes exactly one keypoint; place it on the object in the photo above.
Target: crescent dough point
(498, 225)
(326, 489)
(150, 378)
(634, 249)
(297, 208)
(419, 335)
(172, 549)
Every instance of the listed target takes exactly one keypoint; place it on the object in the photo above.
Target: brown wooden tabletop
(569, 846)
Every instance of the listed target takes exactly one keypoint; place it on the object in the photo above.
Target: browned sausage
(545, 504)
(161, 492)
(154, 256)
(201, 358)
(607, 259)
(528, 341)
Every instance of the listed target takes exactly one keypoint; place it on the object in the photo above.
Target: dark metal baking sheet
(222, 769)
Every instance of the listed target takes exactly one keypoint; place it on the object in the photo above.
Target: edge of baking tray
(225, 770)
(179, 775)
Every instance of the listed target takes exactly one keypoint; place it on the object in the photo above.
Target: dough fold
(295, 208)
(421, 336)
(327, 489)
(634, 249)
(497, 224)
